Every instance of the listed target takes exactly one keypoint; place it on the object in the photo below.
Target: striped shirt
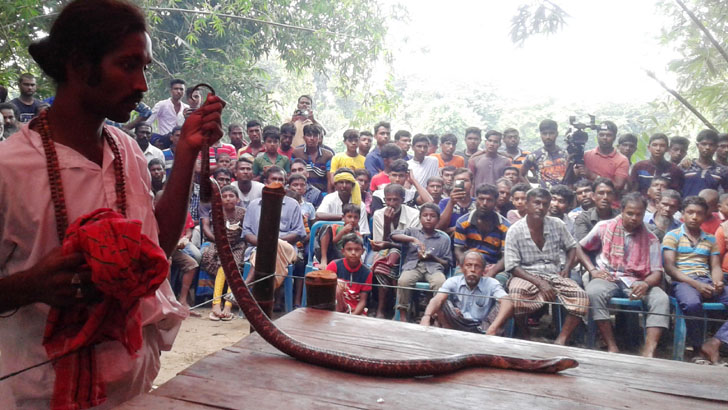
(516, 160)
(490, 244)
(691, 260)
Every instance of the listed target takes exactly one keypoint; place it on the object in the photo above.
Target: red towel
(125, 266)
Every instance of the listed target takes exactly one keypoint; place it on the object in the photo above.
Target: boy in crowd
(318, 160)
(678, 149)
(584, 198)
(389, 153)
(312, 194)
(459, 203)
(629, 263)
(347, 191)
(365, 143)
(657, 166)
(470, 302)
(446, 157)
(448, 176)
(473, 138)
(403, 139)
(363, 178)
(518, 199)
(254, 130)
(434, 188)
(400, 174)
(349, 159)
(692, 259)
(428, 256)
(354, 278)
(373, 161)
(712, 218)
(561, 199)
(422, 166)
(223, 160)
(332, 246)
(434, 143)
(627, 145)
(704, 172)
(271, 141)
(288, 130)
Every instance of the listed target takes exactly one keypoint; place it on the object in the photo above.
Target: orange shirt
(720, 241)
(457, 161)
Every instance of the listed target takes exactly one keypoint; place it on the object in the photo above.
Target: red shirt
(711, 225)
(286, 153)
(222, 149)
(379, 179)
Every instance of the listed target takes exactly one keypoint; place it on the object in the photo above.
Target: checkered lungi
(528, 298)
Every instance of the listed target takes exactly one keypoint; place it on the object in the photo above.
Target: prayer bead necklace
(40, 124)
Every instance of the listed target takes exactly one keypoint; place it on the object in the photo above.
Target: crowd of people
(496, 229)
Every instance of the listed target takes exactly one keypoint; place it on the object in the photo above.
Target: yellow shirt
(343, 160)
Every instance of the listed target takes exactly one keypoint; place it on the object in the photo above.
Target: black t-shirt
(27, 112)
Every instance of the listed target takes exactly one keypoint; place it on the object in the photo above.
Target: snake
(343, 361)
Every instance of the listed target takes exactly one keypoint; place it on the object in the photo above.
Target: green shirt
(262, 162)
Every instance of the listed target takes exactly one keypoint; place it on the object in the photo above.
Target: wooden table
(253, 375)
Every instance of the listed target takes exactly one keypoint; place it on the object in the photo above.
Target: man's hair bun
(46, 56)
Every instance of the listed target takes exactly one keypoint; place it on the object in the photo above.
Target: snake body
(341, 360)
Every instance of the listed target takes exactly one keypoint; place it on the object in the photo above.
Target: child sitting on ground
(354, 278)
(331, 238)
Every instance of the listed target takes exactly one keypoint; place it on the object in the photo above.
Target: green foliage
(537, 17)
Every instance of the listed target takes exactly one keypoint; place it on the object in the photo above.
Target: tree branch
(682, 100)
(702, 28)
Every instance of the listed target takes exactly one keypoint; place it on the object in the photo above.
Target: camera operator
(605, 161)
(302, 117)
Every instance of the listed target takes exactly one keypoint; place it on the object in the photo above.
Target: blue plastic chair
(681, 327)
(635, 305)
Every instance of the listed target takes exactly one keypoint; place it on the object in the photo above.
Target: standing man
(235, 133)
(365, 143)
(422, 166)
(704, 172)
(721, 154)
(447, 156)
(627, 145)
(373, 161)
(28, 107)
(657, 166)
(318, 160)
(99, 72)
(511, 140)
(169, 113)
(255, 133)
(604, 196)
(473, 138)
(489, 167)
(288, 130)
(549, 162)
(629, 264)
(533, 250)
(678, 149)
(403, 139)
(604, 160)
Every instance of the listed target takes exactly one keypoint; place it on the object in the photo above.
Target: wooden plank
(154, 402)
(253, 374)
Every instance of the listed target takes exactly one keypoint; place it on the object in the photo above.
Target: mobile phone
(459, 184)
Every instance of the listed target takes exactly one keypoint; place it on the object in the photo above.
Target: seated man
(712, 219)
(533, 251)
(354, 278)
(399, 173)
(629, 264)
(484, 231)
(291, 228)
(470, 302)
(604, 195)
(347, 191)
(394, 217)
(561, 199)
(584, 195)
(435, 186)
(664, 221)
(692, 259)
(503, 205)
(657, 185)
(428, 256)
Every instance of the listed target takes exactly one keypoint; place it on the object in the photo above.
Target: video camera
(576, 140)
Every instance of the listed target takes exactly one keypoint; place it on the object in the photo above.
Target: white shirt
(331, 204)
(409, 218)
(166, 116)
(28, 232)
(154, 152)
(256, 191)
(429, 167)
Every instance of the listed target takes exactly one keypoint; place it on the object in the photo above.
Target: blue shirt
(438, 245)
(475, 304)
(691, 260)
(457, 210)
(168, 160)
(698, 179)
(373, 163)
(291, 220)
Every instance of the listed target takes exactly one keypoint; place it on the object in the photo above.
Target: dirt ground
(197, 338)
